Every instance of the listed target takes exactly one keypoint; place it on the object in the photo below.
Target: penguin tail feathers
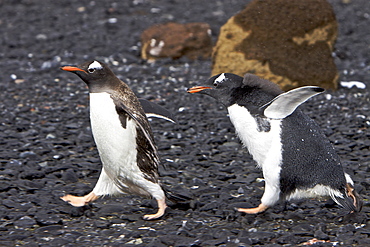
(177, 197)
(351, 200)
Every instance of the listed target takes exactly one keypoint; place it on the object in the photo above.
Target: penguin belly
(264, 145)
(116, 146)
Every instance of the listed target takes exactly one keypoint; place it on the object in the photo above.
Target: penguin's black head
(230, 88)
(220, 86)
(95, 74)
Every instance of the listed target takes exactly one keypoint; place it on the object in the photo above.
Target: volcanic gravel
(47, 147)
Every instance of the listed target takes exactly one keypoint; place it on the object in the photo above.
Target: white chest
(265, 147)
(116, 145)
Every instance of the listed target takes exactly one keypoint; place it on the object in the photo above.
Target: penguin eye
(215, 83)
(91, 70)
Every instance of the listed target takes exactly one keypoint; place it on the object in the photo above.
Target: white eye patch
(94, 66)
(220, 78)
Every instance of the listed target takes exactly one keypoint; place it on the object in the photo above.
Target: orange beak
(71, 68)
(197, 89)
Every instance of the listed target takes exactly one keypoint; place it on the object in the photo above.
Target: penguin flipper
(285, 104)
(154, 110)
(149, 162)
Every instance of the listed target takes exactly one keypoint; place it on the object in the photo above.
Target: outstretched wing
(147, 154)
(154, 110)
(285, 104)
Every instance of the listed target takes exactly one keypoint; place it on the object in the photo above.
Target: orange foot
(161, 208)
(79, 201)
(256, 210)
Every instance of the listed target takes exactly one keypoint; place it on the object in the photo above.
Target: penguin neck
(250, 98)
(111, 87)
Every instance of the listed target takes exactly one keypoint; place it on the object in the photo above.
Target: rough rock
(175, 40)
(287, 42)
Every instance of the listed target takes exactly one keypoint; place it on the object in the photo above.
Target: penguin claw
(79, 201)
(152, 216)
(76, 201)
(256, 210)
(161, 210)
(155, 216)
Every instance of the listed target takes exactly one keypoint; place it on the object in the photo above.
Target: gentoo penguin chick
(296, 158)
(123, 137)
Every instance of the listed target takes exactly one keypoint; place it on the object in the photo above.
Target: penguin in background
(123, 137)
(296, 158)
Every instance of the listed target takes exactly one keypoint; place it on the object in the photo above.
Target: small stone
(81, 9)
(48, 219)
(58, 156)
(111, 209)
(5, 186)
(49, 229)
(32, 174)
(50, 136)
(25, 222)
(43, 164)
(112, 20)
(19, 81)
(321, 235)
(59, 242)
(28, 154)
(41, 37)
(69, 176)
(135, 241)
(101, 224)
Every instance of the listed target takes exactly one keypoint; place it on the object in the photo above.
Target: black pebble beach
(47, 148)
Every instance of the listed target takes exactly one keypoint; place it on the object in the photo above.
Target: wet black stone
(25, 222)
(79, 211)
(209, 206)
(130, 217)
(50, 229)
(69, 176)
(290, 239)
(302, 229)
(47, 148)
(10, 203)
(321, 235)
(262, 237)
(48, 219)
(4, 186)
(30, 186)
(32, 174)
(18, 234)
(156, 243)
(18, 237)
(59, 242)
(28, 154)
(111, 209)
(214, 242)
(102, 224)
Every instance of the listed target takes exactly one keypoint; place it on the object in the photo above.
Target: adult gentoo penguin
(296, 158)
(123, 137)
